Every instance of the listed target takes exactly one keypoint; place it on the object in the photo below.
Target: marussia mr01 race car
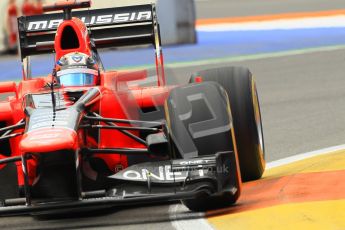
(84, 138)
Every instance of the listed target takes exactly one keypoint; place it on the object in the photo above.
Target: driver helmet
(77, 69)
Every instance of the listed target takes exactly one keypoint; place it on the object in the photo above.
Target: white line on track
(182, 219)
(337, 21)
(303, 156)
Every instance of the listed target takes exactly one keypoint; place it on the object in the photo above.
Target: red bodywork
(117, 99)
(29, 8)
(11, 22)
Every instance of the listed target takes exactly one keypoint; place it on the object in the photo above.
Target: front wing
(145, 183)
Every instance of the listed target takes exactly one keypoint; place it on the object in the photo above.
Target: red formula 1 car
(85, 138)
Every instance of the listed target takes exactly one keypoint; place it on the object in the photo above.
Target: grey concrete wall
(177, 20)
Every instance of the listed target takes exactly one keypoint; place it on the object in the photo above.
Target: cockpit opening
(69, 39)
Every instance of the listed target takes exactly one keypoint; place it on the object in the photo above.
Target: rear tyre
(199, 123)
(241, 89)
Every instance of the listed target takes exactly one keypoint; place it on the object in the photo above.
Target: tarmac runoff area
(305, 194)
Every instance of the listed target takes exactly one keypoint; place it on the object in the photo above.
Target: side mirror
(8, 87)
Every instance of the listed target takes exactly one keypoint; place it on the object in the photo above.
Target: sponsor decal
(46, 136)
(176, 171)
(164, 174)
(77, 58)
(94, 20)
(195, 162)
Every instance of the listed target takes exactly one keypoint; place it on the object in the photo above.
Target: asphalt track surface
(233, 8)
(302, 107)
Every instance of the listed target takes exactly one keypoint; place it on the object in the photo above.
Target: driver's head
(77, 69)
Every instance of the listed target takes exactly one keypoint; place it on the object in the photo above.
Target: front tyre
(241, 89)
(199, 123)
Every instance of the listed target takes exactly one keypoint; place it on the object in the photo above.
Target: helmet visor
(77, 77)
